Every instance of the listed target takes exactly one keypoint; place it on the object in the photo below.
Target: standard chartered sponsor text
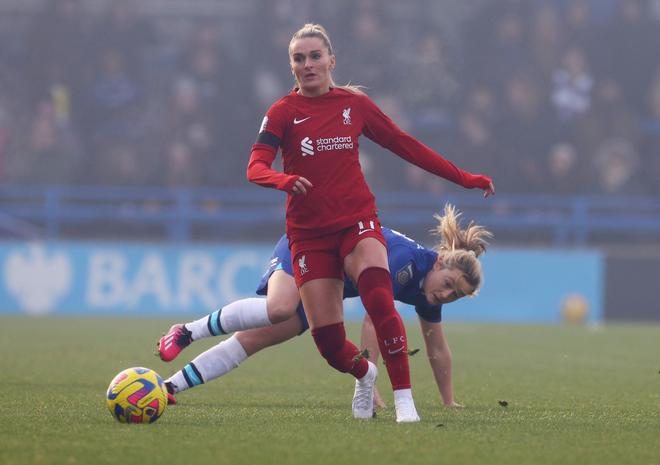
(334, 143)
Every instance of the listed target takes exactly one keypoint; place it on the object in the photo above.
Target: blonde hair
(460, 248)
(318, 31)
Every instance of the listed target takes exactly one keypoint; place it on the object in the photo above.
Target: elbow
(251, 175)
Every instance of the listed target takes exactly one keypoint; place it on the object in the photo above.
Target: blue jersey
(409, 263)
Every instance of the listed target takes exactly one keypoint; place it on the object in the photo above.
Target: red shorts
(323, 256)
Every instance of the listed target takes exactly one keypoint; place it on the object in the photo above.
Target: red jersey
(318, 137)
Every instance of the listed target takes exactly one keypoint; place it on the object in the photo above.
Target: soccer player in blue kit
(421, 277)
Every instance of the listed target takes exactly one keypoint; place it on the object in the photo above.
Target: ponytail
(459, 248)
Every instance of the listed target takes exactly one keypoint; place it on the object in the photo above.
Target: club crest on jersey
(404, 275)
(302, 265)
(347, 115)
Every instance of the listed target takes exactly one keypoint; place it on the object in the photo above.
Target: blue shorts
(281, 260)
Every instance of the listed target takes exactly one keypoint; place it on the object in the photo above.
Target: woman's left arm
(440, 360)
(382, 130)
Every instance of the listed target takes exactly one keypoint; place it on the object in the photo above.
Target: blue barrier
(150, 279)
(180, 214)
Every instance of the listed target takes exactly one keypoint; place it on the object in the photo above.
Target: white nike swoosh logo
(392, 352)
(298, 121)
(364, 231)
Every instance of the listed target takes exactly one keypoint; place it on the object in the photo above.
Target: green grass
(576, 396)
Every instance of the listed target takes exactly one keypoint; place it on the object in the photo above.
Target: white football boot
(404, 405)
(363, 397)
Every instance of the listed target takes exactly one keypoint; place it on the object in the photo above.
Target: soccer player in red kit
(331, 216)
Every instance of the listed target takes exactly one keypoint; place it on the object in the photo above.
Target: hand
(490, 190)
(480, 181)
(301, 186)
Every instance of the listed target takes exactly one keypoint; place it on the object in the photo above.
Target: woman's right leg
(230, 353)
(322, 300)
(282, 299)
(279, 305)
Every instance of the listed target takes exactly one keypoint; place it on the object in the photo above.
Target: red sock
(375, 288)
(339, 351)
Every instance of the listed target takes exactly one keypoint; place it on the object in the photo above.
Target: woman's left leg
(367, 265)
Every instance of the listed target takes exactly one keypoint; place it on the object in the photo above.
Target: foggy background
(133, 120)
(556, 97)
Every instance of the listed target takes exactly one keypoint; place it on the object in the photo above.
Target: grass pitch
(575, 395)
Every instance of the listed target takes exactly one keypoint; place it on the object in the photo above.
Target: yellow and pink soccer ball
(137, 395)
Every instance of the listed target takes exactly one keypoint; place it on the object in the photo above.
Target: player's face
(311, 64)
(440, 285)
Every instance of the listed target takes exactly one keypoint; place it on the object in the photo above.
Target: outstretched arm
(440, 360)
(382, 130)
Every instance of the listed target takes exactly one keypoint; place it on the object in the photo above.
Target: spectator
(435, 89)
(525, 130)
(651, 138)
(507, 50)
(617, 167)
(483, 101)
(114, 98)
(572, 86)
(123, 29)
(181, 169)
(632, 47)
(609, 116)
(579, 24)
(368, 30)
(55, 54)
(191, 125)
(118, 163)
(48, 152)
(589, 74)
(495, 41)
(565, 175)
(476, 144)
(547, 38)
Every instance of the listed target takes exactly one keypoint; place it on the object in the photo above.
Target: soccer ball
(575, 309)
(137, 395)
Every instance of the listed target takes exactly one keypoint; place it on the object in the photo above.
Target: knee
(328, 346)
(280, 310)
(333, 353)
(379, 306)
(377, 298)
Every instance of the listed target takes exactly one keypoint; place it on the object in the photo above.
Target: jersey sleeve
(272, 129)
(382, 130)
(264, 150)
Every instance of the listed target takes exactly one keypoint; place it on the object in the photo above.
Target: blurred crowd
(546, 96)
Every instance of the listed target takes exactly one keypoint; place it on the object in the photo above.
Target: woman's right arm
(260, 171)
(440, 359)
(265, 148)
